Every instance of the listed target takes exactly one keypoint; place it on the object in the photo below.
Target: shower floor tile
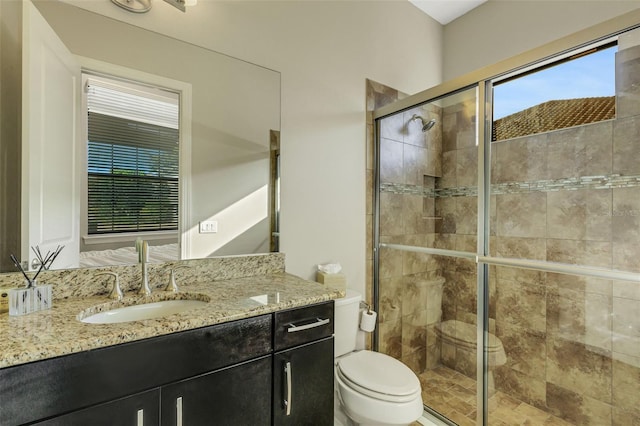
(453, 395)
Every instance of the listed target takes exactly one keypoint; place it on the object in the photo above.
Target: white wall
(325, 51)
(501, 29)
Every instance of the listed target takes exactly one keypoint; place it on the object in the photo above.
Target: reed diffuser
(33, 297)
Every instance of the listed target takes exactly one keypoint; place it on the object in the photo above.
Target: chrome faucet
(144, 287)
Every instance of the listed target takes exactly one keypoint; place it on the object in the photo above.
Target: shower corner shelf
(432, 217)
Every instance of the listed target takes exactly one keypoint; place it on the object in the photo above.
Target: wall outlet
(208, 226)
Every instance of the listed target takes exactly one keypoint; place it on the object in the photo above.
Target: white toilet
(458, 339)
(372, 388)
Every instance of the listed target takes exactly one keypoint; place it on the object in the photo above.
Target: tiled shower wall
(570, 196)
(410, 161)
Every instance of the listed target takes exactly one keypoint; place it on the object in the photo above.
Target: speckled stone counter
(59, 331)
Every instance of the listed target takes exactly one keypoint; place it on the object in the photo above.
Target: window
(132, 158)
(575, 91)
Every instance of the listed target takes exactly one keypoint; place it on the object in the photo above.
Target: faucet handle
(116, 292)
(172, 285)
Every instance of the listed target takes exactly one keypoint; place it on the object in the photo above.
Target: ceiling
(445, 11)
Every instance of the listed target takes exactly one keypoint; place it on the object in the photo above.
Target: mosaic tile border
(552, 185)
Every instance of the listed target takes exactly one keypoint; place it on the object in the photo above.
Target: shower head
(426, 126)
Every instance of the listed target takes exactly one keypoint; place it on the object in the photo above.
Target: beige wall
(501, 29)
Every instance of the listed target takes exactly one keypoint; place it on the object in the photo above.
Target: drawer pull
(319, 322)
(140, 417)
(287, 398)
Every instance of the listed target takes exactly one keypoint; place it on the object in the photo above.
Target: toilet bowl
(459, 348)
(372, 388)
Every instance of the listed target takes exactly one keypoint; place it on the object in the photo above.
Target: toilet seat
(378, 376)
(463, 336)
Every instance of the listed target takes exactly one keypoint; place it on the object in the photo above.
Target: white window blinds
(132, 159)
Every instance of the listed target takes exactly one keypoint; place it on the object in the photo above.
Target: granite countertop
(59, 331)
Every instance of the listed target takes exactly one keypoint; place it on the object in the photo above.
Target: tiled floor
(454, 395)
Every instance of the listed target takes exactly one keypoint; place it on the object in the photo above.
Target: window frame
(184, 90)
(133, 157)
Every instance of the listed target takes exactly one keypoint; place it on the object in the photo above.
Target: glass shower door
(506, 261)
(565, 216)
(427, 242)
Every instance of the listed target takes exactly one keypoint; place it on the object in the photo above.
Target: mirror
(235, 119)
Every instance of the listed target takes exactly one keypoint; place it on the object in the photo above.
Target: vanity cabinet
(303, 366)
(58, 386)
(224, 374)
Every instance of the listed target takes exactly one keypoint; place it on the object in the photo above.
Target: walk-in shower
(505, 256)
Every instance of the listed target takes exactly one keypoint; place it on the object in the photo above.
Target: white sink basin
(143, 311)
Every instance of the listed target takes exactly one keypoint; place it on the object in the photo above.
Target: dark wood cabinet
(238, 395)
(142, 409)
(303, 366)
(225, 374)
(59, 386)
(56, 386)
(303, 385)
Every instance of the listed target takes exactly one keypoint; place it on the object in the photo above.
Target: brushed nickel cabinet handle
(140, 417)
(179, 411)
(319, 322)
(287, 398)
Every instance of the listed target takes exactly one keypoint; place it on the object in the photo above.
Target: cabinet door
(303, 385)
(239, 395)
(142, 409)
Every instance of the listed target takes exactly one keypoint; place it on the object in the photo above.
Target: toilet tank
(434, 300)
(347, 316)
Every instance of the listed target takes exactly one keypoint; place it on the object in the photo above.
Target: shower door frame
(483, 80)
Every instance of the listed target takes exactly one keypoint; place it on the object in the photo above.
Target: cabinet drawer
(302, 325)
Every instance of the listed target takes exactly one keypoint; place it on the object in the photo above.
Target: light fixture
(136, 6)
(142, 6)
(181, 4)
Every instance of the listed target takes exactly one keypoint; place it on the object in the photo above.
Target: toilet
(458, 339)
(371, 388)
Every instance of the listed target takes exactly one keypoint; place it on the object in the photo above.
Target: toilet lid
(379, 373)
(465, 334)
